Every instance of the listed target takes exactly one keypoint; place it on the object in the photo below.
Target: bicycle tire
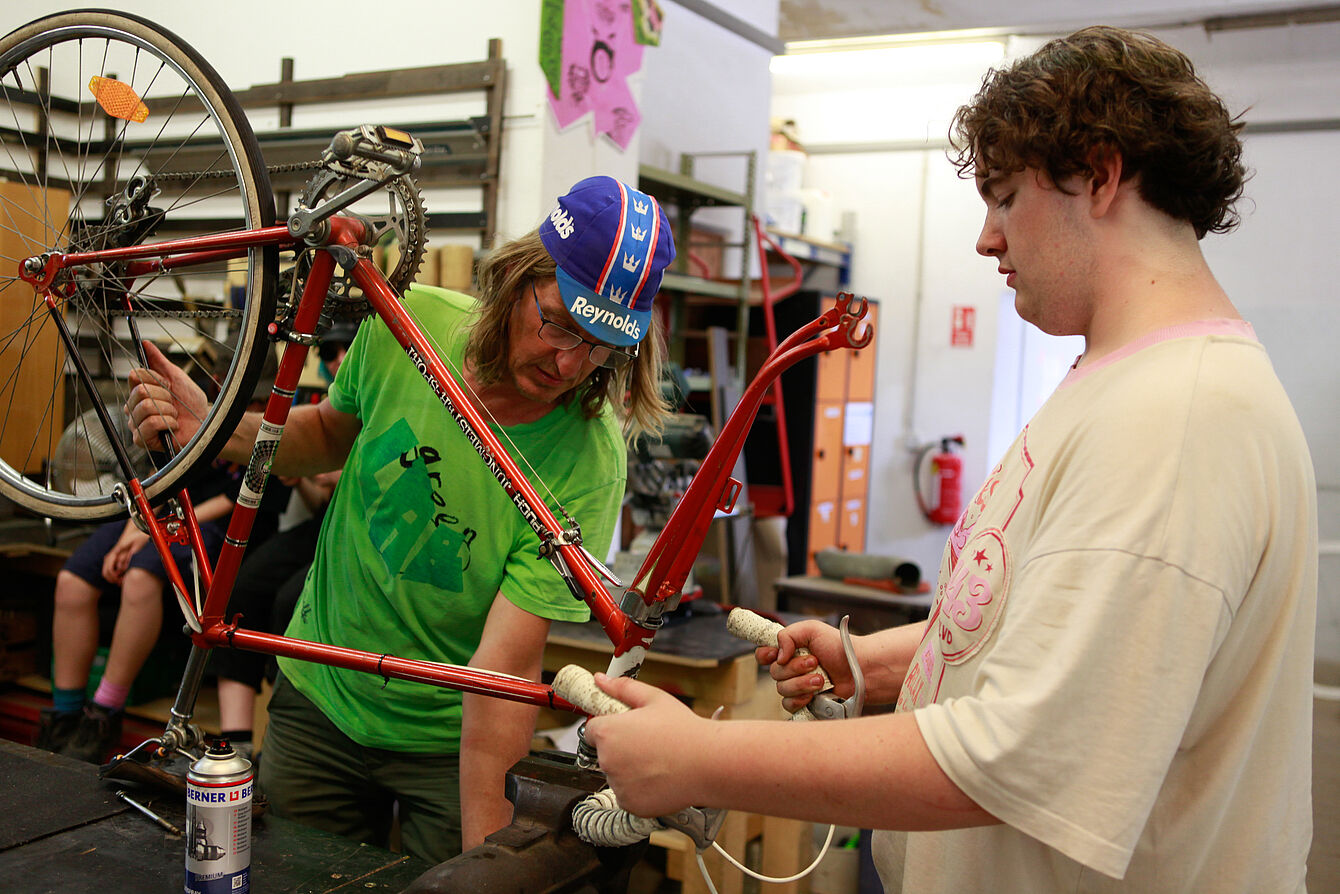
(72, 147)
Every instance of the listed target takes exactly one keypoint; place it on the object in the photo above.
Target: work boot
(56, 729)
(99, 732)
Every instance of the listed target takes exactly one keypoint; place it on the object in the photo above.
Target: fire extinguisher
(947, 473)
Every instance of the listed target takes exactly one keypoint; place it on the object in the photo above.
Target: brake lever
(829, 707)
(760, 631)
(701, 824)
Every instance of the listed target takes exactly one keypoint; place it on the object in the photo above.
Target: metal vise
(538, 853)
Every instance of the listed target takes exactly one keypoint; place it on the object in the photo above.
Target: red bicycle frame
(657, 585)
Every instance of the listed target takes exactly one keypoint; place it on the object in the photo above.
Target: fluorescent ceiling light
(880, 63)
(881, 41)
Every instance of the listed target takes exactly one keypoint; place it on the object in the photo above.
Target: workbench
(871, 608)
(695, 658)
(63, 829)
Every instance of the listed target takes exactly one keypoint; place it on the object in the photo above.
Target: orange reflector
(118, 99)
(392, 135)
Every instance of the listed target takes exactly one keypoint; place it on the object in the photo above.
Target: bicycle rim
(114, 132)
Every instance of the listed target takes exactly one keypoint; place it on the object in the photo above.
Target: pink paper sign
(599, 53)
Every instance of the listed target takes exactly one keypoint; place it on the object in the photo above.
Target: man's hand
(798, 680)
(647, 753)
(163, 399)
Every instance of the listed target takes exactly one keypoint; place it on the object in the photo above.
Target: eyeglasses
(564, 339)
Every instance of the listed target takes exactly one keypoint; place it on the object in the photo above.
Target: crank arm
(302, 222)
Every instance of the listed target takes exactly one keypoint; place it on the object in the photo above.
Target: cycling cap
(612, 244)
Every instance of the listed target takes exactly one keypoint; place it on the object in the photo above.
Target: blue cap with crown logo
(612, 244)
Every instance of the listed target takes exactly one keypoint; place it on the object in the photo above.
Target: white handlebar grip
(578, 686)
(753, 627)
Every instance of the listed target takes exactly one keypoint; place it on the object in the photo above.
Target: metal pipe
(149, 813)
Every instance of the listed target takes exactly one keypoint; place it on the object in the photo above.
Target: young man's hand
(646, 753)
(797, 675)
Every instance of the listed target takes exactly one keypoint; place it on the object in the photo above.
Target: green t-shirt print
(415, 547)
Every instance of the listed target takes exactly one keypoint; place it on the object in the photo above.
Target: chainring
(405, 224)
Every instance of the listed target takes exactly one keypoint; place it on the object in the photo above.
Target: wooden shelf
(464, 153)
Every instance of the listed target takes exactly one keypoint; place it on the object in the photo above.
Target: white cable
(702, 867)
(195, 577)
(531, 475)
(823, 851)
(599, 820)
(192, 617)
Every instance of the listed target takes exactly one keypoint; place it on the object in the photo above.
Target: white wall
(705, 90)
(912, 251)
(246, 42)
(916, 225)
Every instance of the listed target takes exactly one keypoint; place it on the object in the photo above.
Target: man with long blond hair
(421, 553)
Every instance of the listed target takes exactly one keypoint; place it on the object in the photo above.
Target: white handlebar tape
(578, 686)
(754, 628)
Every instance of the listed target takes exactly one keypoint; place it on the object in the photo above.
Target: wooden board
(34, 398)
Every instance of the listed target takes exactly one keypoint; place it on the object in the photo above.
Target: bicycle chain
(219, 175)
(346, 304)
(212, 314)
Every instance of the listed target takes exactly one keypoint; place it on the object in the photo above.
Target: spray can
(218, 822)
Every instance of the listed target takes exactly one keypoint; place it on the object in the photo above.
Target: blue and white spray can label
(218, 823)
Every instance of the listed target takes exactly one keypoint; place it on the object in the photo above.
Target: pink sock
(111, 696)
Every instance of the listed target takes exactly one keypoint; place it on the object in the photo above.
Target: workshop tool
(538, 853)
(149, 813)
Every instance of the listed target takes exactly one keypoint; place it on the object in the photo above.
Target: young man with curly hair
(421, 554)
(1113, 692)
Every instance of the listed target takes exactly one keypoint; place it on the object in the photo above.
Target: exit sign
(964, 321)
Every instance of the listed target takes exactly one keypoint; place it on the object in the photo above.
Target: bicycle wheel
(113, 132)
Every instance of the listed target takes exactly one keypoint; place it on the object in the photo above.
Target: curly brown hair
(505, 276)
(1100, 90)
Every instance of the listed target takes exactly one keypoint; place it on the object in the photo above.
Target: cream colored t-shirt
(1119, 661)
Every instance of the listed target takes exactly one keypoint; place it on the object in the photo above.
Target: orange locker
(861, 365)
(829, 405)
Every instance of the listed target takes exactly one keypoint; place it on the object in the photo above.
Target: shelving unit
(464, 153)
(696, 339)
(458, 153)
(681, 193)
(826, 265)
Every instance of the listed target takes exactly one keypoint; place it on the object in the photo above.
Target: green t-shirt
(420, 537)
